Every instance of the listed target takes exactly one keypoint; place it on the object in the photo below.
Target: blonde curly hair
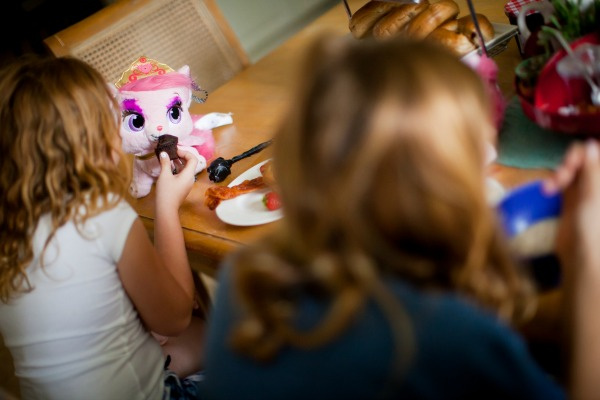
(61, 153)
(380, 164)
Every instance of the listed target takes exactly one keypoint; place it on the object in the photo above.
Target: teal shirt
(461, 352)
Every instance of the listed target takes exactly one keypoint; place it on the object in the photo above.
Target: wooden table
(257, 97)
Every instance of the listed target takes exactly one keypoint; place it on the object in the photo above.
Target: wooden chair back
(176, 33)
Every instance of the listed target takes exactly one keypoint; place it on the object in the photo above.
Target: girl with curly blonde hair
(81, 284)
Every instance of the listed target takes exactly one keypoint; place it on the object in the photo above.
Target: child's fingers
(190, 160)
(165, 162)
(591, 170)
(565, 174)
(581, 211)
(186, 155)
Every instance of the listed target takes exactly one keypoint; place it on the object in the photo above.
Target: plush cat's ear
(113, 90)
(185, 70)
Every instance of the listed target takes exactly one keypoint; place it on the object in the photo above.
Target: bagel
(362, 21)
(466, 26)
(434, 16)
(455, 41)
(451, 25)
(397, 19)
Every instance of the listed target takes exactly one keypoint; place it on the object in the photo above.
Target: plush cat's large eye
(174, 114)
(134, 122)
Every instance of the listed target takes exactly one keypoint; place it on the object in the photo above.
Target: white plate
(247, 209)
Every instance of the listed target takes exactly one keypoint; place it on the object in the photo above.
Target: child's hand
(171, 190)
(579, 179)
(565, 174)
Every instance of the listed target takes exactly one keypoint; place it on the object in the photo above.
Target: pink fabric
(156, 82)
(207, 148)
(487, 69)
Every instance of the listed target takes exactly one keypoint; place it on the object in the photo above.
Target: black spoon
(220, 168)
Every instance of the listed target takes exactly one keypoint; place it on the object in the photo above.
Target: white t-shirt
(77, 334)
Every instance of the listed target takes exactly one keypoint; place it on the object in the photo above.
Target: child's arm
(579, 177)
(158, 279)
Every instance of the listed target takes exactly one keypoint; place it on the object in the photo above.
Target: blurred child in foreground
(388, 276)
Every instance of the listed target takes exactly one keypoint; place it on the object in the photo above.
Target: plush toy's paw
(201, 166)
(138, 191)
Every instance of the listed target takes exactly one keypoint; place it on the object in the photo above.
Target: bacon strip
(215, 194)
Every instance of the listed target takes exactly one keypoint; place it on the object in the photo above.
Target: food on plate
(215, 194)
(363, 20)
(266, 170)
(437, 21)
(272, 201)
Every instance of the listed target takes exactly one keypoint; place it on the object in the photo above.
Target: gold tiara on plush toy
(143, 67)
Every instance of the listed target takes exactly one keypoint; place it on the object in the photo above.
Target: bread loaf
(437, 21)
(466, 26)
(451, 25)
(362, 21)
(458, 43)
(397, 19)
(435, 15)
(460, 35)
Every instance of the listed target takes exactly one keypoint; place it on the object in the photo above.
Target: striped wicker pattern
(176, 33)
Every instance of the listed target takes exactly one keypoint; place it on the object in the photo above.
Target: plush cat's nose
(159, 128)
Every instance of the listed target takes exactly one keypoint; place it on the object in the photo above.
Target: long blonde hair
(59, 140)
(381, 171)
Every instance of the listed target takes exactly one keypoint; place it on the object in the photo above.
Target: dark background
(24, 24)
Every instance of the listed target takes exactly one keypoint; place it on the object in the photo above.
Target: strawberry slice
(272, 201)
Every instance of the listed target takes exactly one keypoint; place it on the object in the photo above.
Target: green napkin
(523, 144)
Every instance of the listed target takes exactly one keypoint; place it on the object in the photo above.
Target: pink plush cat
(155, 101)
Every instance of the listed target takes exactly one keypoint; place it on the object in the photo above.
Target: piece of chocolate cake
(168, 144)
